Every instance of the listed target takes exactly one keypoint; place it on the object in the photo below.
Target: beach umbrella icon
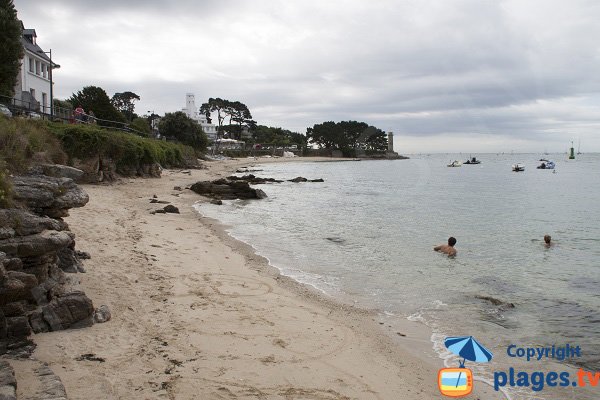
(469, 349)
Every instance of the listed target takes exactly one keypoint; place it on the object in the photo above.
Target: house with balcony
(33, 90)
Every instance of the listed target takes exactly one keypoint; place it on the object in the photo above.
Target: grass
(24, 142)
(125, 149)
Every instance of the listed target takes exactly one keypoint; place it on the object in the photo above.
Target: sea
(367, 232)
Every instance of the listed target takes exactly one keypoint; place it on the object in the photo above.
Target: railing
(30, 109)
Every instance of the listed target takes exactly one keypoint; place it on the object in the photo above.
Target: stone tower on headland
(390, 153)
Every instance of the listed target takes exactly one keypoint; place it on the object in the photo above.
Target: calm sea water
(367, 233)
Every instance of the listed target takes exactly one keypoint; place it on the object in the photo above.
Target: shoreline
(182, 297)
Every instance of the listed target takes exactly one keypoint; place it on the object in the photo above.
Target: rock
(73, 310)
(171, 209)
(218, 202)
(496, 302)
(17, 327)
(102, 314)
(8, 382)
(61, 171)
(302, 179)
(224, 189)
(38, 323)
(155, 201)
(68, 261)
(254, 180)
(35, 245)
(14, 309)
(177, 188)
(160, 211)
(298, 179)
(49, 387)
(48, 196)
(82, 255)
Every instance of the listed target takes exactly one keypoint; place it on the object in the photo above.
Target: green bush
(24, 141)
(5, 187)
(125, 149)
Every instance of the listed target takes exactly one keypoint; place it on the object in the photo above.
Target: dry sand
(197, 315)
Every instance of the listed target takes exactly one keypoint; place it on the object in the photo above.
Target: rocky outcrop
(303, 179)
(254, 180)
(48, 196)
(36, 249)
(224, 189)
(8, 383)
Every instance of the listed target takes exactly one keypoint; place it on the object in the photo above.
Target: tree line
(233, 118)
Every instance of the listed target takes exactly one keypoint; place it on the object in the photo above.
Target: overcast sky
(446, 75)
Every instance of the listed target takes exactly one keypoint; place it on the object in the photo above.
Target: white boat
(455, 163)
(518, 167)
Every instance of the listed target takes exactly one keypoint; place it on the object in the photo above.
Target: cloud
(520, 71)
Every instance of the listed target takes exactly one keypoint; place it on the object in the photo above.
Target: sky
(443, 76)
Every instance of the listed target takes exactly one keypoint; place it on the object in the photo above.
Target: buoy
(572, 155)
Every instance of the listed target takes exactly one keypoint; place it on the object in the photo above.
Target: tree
(238, 113)
(239, 116)
(375, 140)
(94, 98)
(221, 107)
(124, 102)
(11, 48)
(325, 135)
(141, 126)
(182, 128)
(347, 136)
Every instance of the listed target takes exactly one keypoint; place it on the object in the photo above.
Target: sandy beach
(197, 315)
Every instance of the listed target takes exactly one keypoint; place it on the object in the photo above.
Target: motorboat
(455, 163)
(518, 167)
(472, 161)
(546, 164)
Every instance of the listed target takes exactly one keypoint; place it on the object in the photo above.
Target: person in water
(447, 248)
(548, 241)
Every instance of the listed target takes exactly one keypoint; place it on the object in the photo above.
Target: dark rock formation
(36, 249)
(8, 383)
(254, 180)
(48, 196)
(302, 179)
(497, 302)
(225, 189)
(171, 209)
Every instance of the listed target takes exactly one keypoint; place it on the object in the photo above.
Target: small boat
(518, 167)
(546, 164)
(472, 161)
(455, 163)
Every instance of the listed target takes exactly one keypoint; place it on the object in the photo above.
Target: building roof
(34, 48)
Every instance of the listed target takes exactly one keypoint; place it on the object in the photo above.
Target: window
(44, 71)
(44, 101)
(37, 67)
(32, 91)
(30, 64)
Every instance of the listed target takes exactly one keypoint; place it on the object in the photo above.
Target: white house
(191, 111)
(33, 89)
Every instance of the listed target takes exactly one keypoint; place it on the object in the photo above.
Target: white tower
(190, 106)
(390, 142)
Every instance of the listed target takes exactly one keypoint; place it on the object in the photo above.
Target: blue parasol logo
(458, 382)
